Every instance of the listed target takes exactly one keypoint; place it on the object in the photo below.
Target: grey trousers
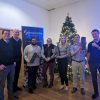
(78, 67)
(7, 73)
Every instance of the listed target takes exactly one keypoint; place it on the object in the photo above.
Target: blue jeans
(8, 73)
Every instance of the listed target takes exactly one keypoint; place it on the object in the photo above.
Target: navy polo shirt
(94, 53)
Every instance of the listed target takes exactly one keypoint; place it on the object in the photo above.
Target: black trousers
(16, 76)
(62, 68)
(93, 70)
(32, 73)
(51, 66)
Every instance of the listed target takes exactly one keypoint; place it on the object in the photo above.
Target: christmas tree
(68, 29)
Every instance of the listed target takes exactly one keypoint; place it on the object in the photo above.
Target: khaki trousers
(78, 67)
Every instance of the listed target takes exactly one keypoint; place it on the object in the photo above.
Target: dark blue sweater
(6, 53)
(17, 48)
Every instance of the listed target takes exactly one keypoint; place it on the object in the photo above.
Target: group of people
(10, 62)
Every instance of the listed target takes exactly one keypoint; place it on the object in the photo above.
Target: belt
(77, 61)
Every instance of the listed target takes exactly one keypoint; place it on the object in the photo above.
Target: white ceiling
(52, 4)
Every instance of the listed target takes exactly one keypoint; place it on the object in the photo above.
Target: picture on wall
(32, 32)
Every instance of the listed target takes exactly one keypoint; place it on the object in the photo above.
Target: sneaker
(94, 96)
(82, 91)
(74, 90)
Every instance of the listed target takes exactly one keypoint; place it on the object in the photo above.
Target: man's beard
(33, 43)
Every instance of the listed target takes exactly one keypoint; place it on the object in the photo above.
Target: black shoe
(74, 90)
(19, 89)
(50, 85)
(94, 96)
(25, 86)
(82, 91)
(14, 90)
(30, 91)
(34, 87)
(45, 84)
(16, 97)
(13, 98)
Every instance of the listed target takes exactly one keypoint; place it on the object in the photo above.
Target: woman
(62, 58)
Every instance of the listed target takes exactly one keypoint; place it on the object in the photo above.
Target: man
(32, 54)
(16, 44)
(93, 58)
(48, 55)
(7, 65)
(78, 64)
